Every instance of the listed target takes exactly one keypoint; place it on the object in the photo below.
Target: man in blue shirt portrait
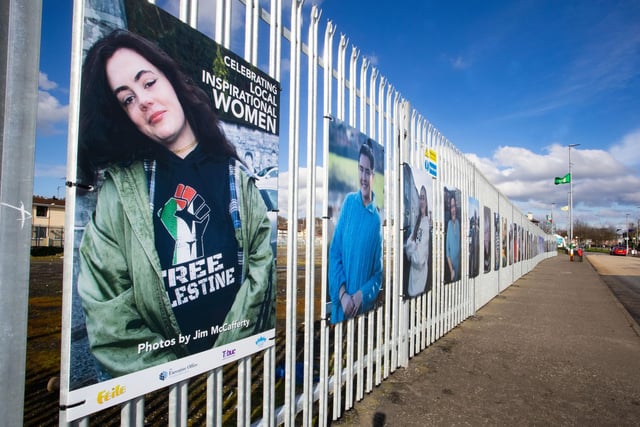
(355, 255)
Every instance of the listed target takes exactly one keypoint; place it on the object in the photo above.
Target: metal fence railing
(318, 370)
(47, 236)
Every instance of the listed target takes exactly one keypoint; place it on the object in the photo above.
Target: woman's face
(148, 98)
(453, 209)
(423, 202)
(365, 175)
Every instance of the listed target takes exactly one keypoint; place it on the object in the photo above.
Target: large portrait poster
(512, 244)
(417, 232)
(174, 264)
(474, 237)
(452, 236)
(516, 242)
(505, 237)
(356, 210)
(487, 239)
(497, 244)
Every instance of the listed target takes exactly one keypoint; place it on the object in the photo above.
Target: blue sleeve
(449, 239)
(371, 287)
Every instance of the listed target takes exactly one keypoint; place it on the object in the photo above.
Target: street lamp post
(626, 226)
(637, 226)
(571, 201)
(637, 243)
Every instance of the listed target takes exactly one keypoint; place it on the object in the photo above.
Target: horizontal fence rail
(317, 370)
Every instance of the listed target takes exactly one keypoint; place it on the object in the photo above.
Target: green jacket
(120, 282)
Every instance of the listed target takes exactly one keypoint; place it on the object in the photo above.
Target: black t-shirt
(195, 240)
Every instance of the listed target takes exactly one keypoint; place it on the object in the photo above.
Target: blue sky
(510, 83)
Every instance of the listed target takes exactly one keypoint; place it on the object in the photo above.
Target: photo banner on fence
(453, 237)
(505, 237)
(417, 234)
(487, 239)
(496, 241)
(356, 210)
(474, 236)
(174, 271)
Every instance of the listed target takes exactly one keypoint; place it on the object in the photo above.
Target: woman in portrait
(452, 242)
(417, 248)
(176, 258)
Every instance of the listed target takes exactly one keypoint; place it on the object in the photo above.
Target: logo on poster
(261, 341)
(106, 395)
(228, 353)
(176, 371)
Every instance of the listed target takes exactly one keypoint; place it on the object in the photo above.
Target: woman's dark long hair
(107, 135)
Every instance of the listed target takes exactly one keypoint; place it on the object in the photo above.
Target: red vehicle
(619, 250)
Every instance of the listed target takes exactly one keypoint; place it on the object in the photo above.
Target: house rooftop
(48, 201)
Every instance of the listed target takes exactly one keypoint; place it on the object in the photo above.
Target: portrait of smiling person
(452, 235)
(417, 232)
(172, 215)
(175, 267)
(355, 251)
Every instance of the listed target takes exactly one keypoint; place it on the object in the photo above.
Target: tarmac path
(555, 348)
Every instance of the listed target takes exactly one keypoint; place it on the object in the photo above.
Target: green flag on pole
(563, 180)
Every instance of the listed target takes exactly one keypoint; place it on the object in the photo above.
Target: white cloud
(510, 163)
(600, 178)
(44, 82)
(373, 59)
(460, 63)
(303, 193)
(627, 151)
(51, 113)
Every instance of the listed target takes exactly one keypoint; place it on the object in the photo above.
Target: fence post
(20, 46)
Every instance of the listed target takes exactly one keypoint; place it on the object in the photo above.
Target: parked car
(267, 179)
(268, 172)
(619, 250)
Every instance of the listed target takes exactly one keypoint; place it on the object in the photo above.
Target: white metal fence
(328, 368)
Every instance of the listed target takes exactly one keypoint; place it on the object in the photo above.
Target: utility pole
(637, 226)
(626, 226)
(20, 26)
(571, 203)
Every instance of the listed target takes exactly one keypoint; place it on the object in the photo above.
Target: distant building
(48, 222)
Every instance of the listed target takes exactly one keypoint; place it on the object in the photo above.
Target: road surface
(622, 275)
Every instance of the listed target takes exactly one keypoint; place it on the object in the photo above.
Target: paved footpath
(555, 348)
